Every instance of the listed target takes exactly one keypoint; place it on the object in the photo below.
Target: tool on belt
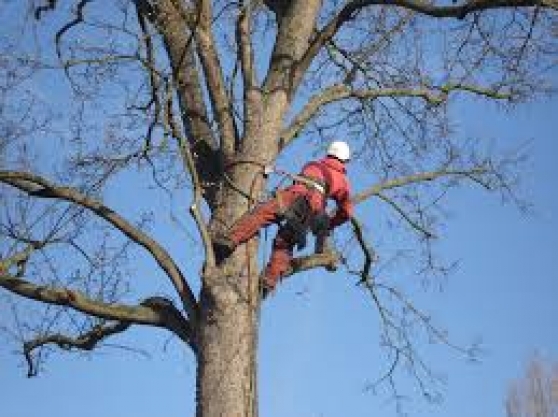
(298, 219)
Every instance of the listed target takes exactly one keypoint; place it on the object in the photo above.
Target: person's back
(331, 173)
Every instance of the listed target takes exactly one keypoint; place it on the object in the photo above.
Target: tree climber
(297, 209)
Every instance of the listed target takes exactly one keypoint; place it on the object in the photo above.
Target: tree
(536, 392)
(195, 98)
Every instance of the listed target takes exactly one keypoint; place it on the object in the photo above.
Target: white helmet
(339, 150)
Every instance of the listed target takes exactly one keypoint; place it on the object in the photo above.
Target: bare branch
(369, 254)
(459, 11)
(327, 33)
(154, 311)
(396, 337)
(295, 32)
(414, 224)
(49, 6)
(417, 178)
(86, 341)
(433, 96)
(172, 21)
(388, 375)
(76, 21)
(252, 94)
(426, 320)
(216, 86)
(20, 258)
(146, 313)
(305, 263)
(243, 28)
(189, 163)
(37, 186)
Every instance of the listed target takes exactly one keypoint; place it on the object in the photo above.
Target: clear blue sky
(319, 334)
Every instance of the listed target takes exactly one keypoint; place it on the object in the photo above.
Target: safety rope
(231, 183)
(253, 304)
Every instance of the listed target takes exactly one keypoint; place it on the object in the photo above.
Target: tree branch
(252, 94)
(86, 341)
(37, 186)
(459, 11)
(150, 312)
(243, 36)
(296, 27)
(49, 6)
(426, 320)
(305, 263)
(416, 178)
(154, 311)
(172, 21)
(327, 33)
(189, 163)
(414, 224)
(76, 21)
(433, 96)
(369, 254)
(209, 58)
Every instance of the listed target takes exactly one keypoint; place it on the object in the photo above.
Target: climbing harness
(297, 218)
(311, 183)
(266, 170)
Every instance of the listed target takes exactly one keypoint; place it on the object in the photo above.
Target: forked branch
(86, 341)
(433, 96)
(36, 186)
(147, 313)
(376, 190)
(457, 10)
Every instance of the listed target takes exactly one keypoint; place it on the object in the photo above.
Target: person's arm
(344, 210)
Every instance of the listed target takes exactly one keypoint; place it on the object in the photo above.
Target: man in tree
(297, 209)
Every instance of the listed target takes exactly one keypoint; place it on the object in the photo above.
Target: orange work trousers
(263, 215)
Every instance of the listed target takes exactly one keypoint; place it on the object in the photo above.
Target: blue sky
(504, 292)
(319, 333)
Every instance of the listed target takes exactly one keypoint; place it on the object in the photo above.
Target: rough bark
(226, 380)
(229, 309)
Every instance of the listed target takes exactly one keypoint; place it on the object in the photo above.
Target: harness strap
(318, 184)
(324, 182)
(311, 182)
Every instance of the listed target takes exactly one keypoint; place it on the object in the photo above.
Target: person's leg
(280, 259)
(250, 223)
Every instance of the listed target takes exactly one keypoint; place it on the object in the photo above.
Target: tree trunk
(226, 384)
(230, 298)
(229, 304)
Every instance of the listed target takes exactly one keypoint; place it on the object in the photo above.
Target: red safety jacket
(332, 173)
